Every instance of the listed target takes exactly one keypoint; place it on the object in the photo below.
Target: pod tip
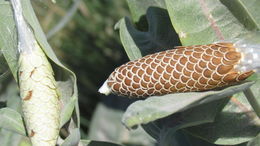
(105, 89)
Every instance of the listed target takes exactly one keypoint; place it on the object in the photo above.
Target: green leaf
(11, 120)
(8, 36)
(84, 141)
(97, 143)
(4, 72)
(255, 141)
(10, 138)
(202, 22)
(132, 51)
(237, 123)
(13, 98)
(247, 12)
(156, 107)
(68, 102)
(73, 138)
(138, 8)
(229, 128)
(225, 130)
(106, 120)
(173, 138)
(159, 36)
(166, 127)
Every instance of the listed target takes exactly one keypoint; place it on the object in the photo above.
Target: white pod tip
(250, 56)
(105, 89)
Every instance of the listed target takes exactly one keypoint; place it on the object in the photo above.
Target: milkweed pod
(38, 88)
(40, 100)
(184, 69)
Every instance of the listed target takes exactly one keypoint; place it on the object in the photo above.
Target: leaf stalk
(253, 101)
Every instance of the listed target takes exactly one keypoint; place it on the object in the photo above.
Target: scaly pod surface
(183, 69)
(40, 100)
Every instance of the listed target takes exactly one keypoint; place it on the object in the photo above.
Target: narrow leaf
(132, 51)
(159, 36)
(138, 8)
(8, 36)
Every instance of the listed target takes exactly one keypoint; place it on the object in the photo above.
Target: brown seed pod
(183, 69)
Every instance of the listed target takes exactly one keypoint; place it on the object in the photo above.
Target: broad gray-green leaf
(255, 141)
(11, 120)
(156, 107)
(247, 12)
(225, 130)
(204, 113)
(229, 128)
(237, 123)
(167, 128)
(10, 138)
(159, 36)
(203, 21)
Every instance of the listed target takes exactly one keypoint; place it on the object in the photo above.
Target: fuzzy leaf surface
(11, 120)
(237, 123)
(203, 21)
(157, 107)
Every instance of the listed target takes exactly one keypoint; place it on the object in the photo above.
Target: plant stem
(65, 19)
(26, 40)
(252, 100)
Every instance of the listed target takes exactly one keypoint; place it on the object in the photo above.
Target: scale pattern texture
(183, 69)
(40, 98)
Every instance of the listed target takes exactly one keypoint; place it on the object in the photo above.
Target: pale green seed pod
(38, 88)
(40, 99)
